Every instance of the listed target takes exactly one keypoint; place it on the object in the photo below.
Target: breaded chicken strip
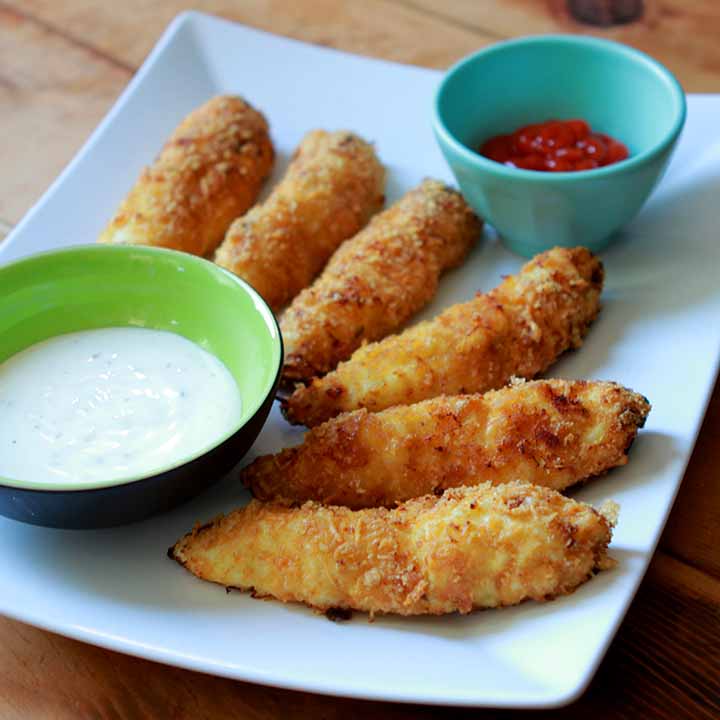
(334, 184)
(210, 171)
(547, 432)
(517, 329)
(474, 547)
(378, 279)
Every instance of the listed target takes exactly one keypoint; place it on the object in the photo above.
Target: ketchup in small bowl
(555, 146)
(588, 186)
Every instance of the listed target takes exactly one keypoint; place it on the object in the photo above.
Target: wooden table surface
(63, 63)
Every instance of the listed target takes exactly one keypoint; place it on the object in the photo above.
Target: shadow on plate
(684, 215)
(500, 620)
(648, 281)
(651, 454)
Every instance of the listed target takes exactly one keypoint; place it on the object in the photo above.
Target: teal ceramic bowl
(114, 286)
(618, 90)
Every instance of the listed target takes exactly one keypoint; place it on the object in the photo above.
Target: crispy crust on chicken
(474, 547)
(546, 432)
(332, 187)
(517, 329)
(210, 171)
(378, 279)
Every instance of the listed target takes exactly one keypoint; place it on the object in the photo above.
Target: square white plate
(658, 333)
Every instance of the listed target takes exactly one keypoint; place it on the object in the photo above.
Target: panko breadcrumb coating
(474, 547)
(517, 329)
(210, 171)
(378, 279)
(332, 187)
(546, 432)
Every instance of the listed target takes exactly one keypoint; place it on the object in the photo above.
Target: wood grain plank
(681, 34)
(381, 28)
(5, 228)
(78, 40)
(693, 530)
(662, 665)
(52, 94)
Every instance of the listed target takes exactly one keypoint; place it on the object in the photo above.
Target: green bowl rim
(632, 162)
(265, 311)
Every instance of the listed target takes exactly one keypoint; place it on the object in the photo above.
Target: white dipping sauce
(113, 403)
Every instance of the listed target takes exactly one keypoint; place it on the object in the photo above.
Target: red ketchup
(555, 146)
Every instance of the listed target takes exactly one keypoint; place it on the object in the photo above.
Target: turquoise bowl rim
(270, 323)
(556, 178)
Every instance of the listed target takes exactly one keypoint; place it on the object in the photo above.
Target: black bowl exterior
(138, 500)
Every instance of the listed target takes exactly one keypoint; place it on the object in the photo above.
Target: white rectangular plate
(658, 333)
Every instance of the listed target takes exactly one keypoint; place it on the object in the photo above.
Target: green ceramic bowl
(618, 90)
(109, 286)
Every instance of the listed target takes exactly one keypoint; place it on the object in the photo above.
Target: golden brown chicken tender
(210, 171)
(517, 329)
(474, 547)
(546, 432)
(378, 279)
(334, 184)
